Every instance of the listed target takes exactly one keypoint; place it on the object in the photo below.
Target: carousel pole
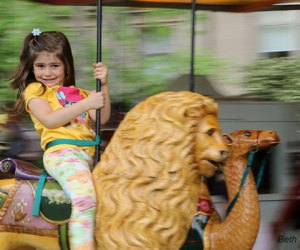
(192, 75)
(98, 82)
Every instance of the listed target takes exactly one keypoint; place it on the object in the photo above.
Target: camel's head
(248, 140)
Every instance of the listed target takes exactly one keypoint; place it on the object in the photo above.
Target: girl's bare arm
(41, 109)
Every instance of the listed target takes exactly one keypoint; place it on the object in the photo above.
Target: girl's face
(49, 69)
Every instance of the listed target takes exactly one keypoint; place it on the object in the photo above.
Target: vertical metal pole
(98, 82)
(192, 75)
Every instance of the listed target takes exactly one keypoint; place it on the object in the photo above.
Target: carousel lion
(147, 181)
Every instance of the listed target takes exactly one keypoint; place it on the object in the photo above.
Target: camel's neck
(234, 171)
(239, 229)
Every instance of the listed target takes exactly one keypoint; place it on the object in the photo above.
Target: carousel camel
(147, 181)
(240, 227)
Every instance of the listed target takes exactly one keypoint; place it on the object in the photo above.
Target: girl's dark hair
(49, 41)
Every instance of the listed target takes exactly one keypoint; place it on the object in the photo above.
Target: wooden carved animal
(239, 229)
(147, 181)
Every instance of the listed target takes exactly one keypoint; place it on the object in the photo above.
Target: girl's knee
(85, 204)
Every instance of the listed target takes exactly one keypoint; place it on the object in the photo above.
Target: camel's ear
(228, 140)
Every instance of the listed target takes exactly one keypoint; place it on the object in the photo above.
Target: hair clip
(36, 32)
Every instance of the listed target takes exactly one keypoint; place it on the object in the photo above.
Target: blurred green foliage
(140, 73)
(275, 79)
(18, 18)
(134, 73)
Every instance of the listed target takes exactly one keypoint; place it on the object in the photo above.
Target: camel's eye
(211, 131)
(247, 133)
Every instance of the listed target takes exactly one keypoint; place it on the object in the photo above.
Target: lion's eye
(247, 133)
(210, 132)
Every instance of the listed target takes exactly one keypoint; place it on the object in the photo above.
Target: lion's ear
(228, 140)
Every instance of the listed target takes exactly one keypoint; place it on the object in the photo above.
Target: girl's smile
(49, 69)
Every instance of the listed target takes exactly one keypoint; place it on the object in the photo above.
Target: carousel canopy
(212, 5)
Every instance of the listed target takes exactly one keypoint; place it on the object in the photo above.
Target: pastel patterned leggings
(71, 168)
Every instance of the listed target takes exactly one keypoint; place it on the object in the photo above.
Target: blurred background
(248, 62)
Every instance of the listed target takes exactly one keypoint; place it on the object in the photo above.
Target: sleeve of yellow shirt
(34, 90)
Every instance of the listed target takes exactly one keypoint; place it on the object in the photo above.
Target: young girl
(45, 82)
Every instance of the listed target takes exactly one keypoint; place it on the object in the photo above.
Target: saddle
(21, 170)
(57, 211)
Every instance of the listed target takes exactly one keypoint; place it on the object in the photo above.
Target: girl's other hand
(101, 72)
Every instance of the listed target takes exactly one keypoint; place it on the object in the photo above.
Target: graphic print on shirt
(68, 96)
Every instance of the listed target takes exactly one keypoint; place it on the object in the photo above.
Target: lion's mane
(147, 180)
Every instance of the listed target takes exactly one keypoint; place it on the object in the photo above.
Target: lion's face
(210, 148)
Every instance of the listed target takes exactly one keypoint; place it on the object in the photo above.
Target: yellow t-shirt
(58, 97)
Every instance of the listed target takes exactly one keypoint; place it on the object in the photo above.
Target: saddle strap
(38, 194)
(88, 143)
